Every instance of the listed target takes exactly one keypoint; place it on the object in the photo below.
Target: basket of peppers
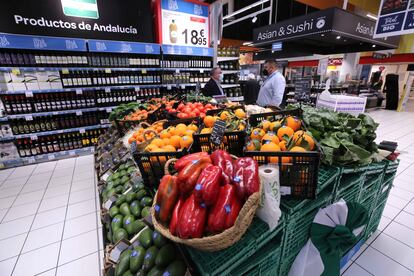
(210, 202)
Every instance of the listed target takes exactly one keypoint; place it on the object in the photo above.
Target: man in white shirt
(272, 90)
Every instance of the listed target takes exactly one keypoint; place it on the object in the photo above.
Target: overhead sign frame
(395, 19)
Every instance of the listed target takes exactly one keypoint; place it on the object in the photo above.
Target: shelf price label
(108, 70)
(82, 130)
(107, 90)
(15, 71)
(28, 94)
(79, 113)
(28, 118)
(78, 91)
(51, 157)
(65, 71)
(33, 137)
(31, 160)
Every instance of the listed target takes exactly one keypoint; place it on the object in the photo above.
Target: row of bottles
(228, 52)
(115, 97)
(187, 62)
(44, 58)
(230, 79)
(49, 123)
(193, 77)
(233, 92)
(82, 78)
(149, 92)
(229, 65)
(55, 143)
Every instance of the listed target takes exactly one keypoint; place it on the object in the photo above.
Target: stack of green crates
(372, 184)
(225, 261)
(350, 184)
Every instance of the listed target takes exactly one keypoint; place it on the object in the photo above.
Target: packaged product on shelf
(18, 81)
(31, 81)
(6, 81)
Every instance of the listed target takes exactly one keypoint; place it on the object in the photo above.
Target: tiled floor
(49, 216)
(49, 219)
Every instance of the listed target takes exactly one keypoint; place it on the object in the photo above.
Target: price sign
(72, 153)
(143, 71)
(218, 132)
(168, 87)
(16, 71)
(185, 23)
(137, 89)
(31, 160)
(65, 71)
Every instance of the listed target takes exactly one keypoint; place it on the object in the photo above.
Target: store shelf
(46, 157)
(106, 69)
(228, 72)
(186, 69)
(77, 111)
(4, 119)
(236, 99)
(227, 58)
(230, 85)
(34, 136)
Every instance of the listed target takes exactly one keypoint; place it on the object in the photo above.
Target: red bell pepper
(167, 196)
(223, 159)
(175, 216)
(224, 213)
(208, 185)
(246, 177)
(192, 219)
(187, 177)
(184, 161)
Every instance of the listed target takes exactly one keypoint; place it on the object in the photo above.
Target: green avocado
(136, 259)
(158, 239)
(113, 211)
(155, 271)
(135, 209)
(124, 179)
(145, 238)
(149, 259)
(130, 196)
(166, 255)
(121, 199)
(141, 194)
(116, 222)
(146, 201)
(176, 268)
(124, 209)
(120, 234)
(123, 263)
(145, 212)
(115, 176)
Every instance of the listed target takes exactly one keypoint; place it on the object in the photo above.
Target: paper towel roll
(270, 211)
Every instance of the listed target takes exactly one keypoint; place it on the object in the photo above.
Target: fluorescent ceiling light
(373, 45)
(372, 16)
(247, 43)
(254, 19)
(338, 37)
(245, 8)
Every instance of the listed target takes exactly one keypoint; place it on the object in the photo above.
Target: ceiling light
(254, 19)
(246, 8)
(255, 54)
(322, 34)
(273, 52)
(373, 45)
(247, 43)
(338, 37)
(372, 16)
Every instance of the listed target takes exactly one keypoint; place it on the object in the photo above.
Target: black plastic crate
(256, 119)
(123, 126)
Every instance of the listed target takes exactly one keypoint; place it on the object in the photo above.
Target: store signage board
(126, 20)
(303, 87)
(278, 46)
(184, 23)
(395, 18)
(332, 20)
(123, 47)
(323, 66)
(186, 50)
(12, 41)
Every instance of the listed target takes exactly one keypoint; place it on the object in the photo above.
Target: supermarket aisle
(48, 219)
(390, 251)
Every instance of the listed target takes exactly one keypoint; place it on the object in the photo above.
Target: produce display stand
(261, 251)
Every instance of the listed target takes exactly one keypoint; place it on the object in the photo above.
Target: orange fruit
(270, 146)
(206, 130)
(166, 141)
(168, 148)
(270, 136)
(225, 115)
(282, 145)
(253, 145)
(274, 126)
(297, 149)
(240, 113)
(171, 131)
(266, 125)
(193, 127)
(242, 126)
(150, 148)
(131, 140)
(209, 121)
(158, 159)
(298, 134)
(186, 141)
(305, 141)
(189, 132)
(157, 142)
(284, 130)
(165, 134)
(257, 133)
(293, 122)
(175, 141)
(180, 129)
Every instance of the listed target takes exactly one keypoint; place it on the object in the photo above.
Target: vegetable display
(344, 139)
(190, 110)
(235, 120)
(211, 193)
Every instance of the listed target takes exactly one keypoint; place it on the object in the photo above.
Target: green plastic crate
(374, 220)
(327, 177)
(350, 187)
(376, 168)
(298, 221)
(223, 261)
(371, 187)
(392, 166)
(355, 170)
(264, 262)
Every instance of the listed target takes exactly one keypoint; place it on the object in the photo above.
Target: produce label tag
(29, 94)
(201, 71)
(108, 110)
(177, 71)
(285, 190)
(117, 250)
(105, 176)
(109, 202)
(78, 91)
(168, 87)
(137, 89)
(28, 118)
(182, 86)
(218, 132)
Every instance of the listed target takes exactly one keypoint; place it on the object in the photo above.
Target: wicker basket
(219, 241)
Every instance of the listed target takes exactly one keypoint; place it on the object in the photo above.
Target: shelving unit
(96, 75)
(228, 60)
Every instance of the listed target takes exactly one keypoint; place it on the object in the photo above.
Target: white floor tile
(49, 217)
(10, 192)
(384, 223)
(7, 202)
(82, 195)
(43, 236)
(88, 265)
(80, 209)
(11, 247)
(82, 185)
(51, 272)
(397, 201)
(13, 183)
(2, 214)
(398, 192)
(37, 261)
(57, 181)
(52, 203)
(410, 208)
(15, 227)
(53, 191)
(84, 176)
(21, 211)
(77, 247)
(356, 270)
(6, 267)
(390, 211)
(28, 198)
(380, 265)
(44, 167)
(22, 171)
(395, 250)
(360, 251)
(373, 237)
(408, 186)
(34, 186)
(62, 172)
(405, 219)
(401, 233)
(45, 176)
(79, 225)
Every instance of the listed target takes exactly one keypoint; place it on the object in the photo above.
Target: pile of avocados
(118, 182)
(151, 255)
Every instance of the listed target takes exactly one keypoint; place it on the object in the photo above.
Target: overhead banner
(184, 23)
(395, 18)
(332, 20)
(126, 20)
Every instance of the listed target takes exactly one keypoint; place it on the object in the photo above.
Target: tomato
(192, 115)
(187, 110)
(181, 106)
(202, 115)
(208, 105)
(172, 110)
(184, 115)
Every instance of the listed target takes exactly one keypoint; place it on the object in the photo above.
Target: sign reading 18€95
(395, 17)
(185, 23)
